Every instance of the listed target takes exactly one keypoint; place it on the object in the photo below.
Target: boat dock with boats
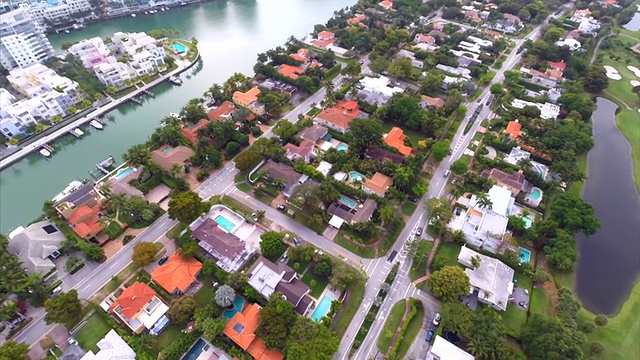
(104, 167)
(46, 150)
(175, 80)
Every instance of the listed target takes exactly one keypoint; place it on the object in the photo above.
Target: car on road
(281, 207)
(419, 231)
(437, 319)
(429, 336)
(446, 173)
(284, 258)
(56, 291)
(392, 256)
(163, 260)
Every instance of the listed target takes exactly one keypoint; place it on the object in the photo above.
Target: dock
(74, 134)
(103, 167)
(148, 93)
(135, 100)
(47, 147)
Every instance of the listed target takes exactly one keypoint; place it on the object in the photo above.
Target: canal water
(609, 261)
(230, 34)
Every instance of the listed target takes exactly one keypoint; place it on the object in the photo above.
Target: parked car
(284, 258)
(163, 260)
(297, 241)
(287, 236)
(458, 211)
(281, 207)
(419, 232)
(436, 319)
(412, 199)
(56, 291)
(254, 216)
(446, 173)
(430, 334)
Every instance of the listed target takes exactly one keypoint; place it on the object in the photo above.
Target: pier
(149, 93)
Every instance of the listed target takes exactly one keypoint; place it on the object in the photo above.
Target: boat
(175, 80)
(96, 124)
(66, 31)
(73, 186)
(133, 15)
(44, 152)
(78, 132)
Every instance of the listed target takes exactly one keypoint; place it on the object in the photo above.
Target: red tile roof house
(304, 151)
(249, 100)
(386, 4)
(514, 129)
(85, 221)
(292, 72)
(268, 278)
(424, 39)
(241, 329)
(358, 20)
(378, 185)
(222, 112)
(231, 254)
(395, 138)
(302, 55)
(190, 131)
(431, 101)
(325, 38)
(178, 274)
(139, 307)
(338, 117)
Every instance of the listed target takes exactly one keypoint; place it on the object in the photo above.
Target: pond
(608, 262)
(634, 23)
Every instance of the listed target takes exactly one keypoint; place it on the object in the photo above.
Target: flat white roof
(444, 350)
(493, 278)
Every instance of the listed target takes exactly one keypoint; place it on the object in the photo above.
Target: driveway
(492, 152)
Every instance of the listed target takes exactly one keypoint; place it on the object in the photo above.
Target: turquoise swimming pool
(525, 255)
(179, 48)
(323, 307)
(527, 221)
(198, 348)
(166, 149)
(124, 172)
(356, 176)
(347, 201)
(225, 223)
(342, 147)
(535, 194)
(238, 303)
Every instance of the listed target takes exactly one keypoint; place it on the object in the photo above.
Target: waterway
(634, 23)
(609, 261)
(230, 34)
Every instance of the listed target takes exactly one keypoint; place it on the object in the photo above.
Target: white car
(436, 319)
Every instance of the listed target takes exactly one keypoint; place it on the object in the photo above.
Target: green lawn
(576, 186)
(206, 294)
(303, 265)
(321, 283)
(418, 270)
(412, 331)
(239, 177)
(449, 251)
(349, 309)
(175, 231)
(365, 252)
(408, 208)
(514, 319)
(540, 303)
(466, 159)
(244, 187)
(92, 332)
(391, 326)
(113, 230)
(166, 337)
(313, 112)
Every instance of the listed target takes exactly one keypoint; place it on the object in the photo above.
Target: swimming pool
(356, 176)
(124, 172)
(166, 149)
(527, 221)
(323, 307)
(198, 348)
(348, 201)
(238, 302)
(224, 223)
(535, 194)
(525, 255)
(342, 147)
(327, 137)
(179, 48)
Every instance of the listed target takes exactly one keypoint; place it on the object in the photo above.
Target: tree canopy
(449, 283)
(186, 207)
(12, 350)
(272, 245)
(276, 321)
(143, 253)
(311, 340)
(181, 310)
(64, 308)
(574, 214)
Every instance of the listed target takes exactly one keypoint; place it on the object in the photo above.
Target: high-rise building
(22, 41)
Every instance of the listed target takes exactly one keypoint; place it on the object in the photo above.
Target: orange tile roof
(301, 55)
(191, 132)
(326, 35)
(357, 20)
(241, 330)
(514, 129)
(425, 38)
(133, 299)
(341, 114)
(289, 71)
(85, 220)
(386, 4)
(322, 43)
(433, 101)
(80, 213)
(395, 139)
(535, 151)
(560, 65)
(315, 63)
(379, 183)
(177, 273)
(248, 97)
(222, 112)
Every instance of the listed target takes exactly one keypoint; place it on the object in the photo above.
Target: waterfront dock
(93, 115)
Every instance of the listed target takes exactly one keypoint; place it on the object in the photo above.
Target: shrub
(202, 175)
(596, 347)
(256, 131)
(601, 320)
(127, 239)
(588, 327)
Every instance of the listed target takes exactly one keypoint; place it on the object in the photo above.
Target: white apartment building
(146, 61)
(132, 42)
(22, 41)
(59, 12)
(114, 74)
(92, 52)
(38, 79)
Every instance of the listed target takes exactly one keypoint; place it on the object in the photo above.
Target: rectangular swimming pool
(198, 348)
(179, 47)
(348, 201)
(225, 223)
(323, 307)
(124, 172)
(525, 255)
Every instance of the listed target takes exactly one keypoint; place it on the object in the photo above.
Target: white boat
(133, 15)
(96, 124)
(73, 186)
(66, 31)
(78, 132)
(44, 152)
(175, 80)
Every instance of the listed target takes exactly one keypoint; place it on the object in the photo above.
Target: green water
(229, 33)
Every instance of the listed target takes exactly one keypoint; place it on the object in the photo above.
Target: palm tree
(483, 201)
(176, 170)
(137, 155)
(215, 93)
(118, 201)
(478, 348)
(144, 343)
(386, 214)
(328, 193)
(225, 296)
(456, 191)
(330, 94)
(525, 164)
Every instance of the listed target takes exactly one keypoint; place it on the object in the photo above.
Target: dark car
(297, 241)
(412, 199)
(419, 232)
(163, 260)
(429, 336)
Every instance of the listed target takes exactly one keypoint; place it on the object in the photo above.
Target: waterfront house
(396, 138)
(249, 100)
(227, 249)
(190, 131)
(358, 20)
(301, 55)
(223, 112)
(292, 72)
(514, 182)
(85, 221)
(36, 245)
(177, 274)
(268, 277)
(386, 4)
(378, 184)
(492, 280)
(351, 212)
(139, 307)
(241, 329)
(338, 117)
(167, 156)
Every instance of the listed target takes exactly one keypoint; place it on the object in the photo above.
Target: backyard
(320, 282)
(449, 252)
(91, 332)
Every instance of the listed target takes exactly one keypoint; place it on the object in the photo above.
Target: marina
(96, 124)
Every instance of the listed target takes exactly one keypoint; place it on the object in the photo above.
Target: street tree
(343, 275)
(247, 160)
(143, 253)
(449, 283)
(181, 310)
(311, 340)
(186, 207)
(439, 212)
(272, 245)
(12, 350)
(459, 167)
(440, 150)
(285, 130)
(65, 308)
(276, 321)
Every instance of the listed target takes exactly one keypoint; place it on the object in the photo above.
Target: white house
(380, 85)
(492, 279)
(444, 350)
(112, 346)
(113, 74)
(572, 44)
(548, 111)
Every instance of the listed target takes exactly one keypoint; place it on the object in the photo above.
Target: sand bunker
(634, 70)
(612, 73)
(635, 83)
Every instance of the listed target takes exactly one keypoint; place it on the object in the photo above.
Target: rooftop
(340, 115)
(178, 273)
(268, 277)
(395, 138)
(292, 72)
(444, 350)
(248, 97)
(222, 112)
(241, 330)
(513, 129)
(166, 156)
(281, 171)
(312, 133)
(217, 239)
(515, 180)
(493, 278)
(379, 183)
(360, 213)
(433, 101)
(133, 299)
(191, 131)
(112, 346)
(382, 155)
(35, 244)
(304, 149)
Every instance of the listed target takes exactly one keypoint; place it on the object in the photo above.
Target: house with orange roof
(241, 329)
(378, 184)
(190, 131)
(302, 55)
(292, 72)
(358, 20)
(177, 274)
(325, 38)
(473, 16)
(514, 129)
(249, 100)
(431, 101)
(326, 35)
(424, 39)
(386, 4)
(395, 138)
(222, 112)
(494, 35)
(85, 221)
(340, 116)
(139, 307)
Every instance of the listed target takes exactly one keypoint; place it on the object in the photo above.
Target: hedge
(412, 314)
